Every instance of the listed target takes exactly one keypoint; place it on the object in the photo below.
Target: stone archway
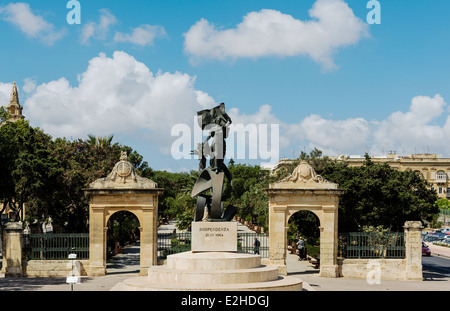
(304, 190)
(122, 190)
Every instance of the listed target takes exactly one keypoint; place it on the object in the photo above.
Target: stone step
(280, 284)
(216, 271)
(212, 261)
(163, 274)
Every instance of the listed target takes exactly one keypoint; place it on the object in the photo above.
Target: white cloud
(98, 30)
(332, 136)
(272, 33)
(117, 95)
(142, 35)
(29, 86)
(255, 136)
(34, 26)
(416, 129)
(5, 93)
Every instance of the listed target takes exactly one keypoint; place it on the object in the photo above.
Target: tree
(4, 115)
(29, 173)
(254, 205)
(305, 224)
(49, 175)
(443, 204)
(444, 210)
(82, 163)
(172, 184)
(247, 192)
(100, 141)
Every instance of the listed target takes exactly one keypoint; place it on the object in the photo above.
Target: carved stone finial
(14, 95)
(304, 172)
(123, 175)
(304, 176)
(123, 156)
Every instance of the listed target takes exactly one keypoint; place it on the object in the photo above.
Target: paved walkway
(126, 265)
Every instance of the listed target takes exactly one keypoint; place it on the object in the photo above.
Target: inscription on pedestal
(214, 236)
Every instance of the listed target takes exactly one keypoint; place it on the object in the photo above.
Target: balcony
(441, 177)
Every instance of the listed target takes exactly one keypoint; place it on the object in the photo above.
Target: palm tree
(100, 141)
(186, 190)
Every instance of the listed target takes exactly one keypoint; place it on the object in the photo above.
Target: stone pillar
(277, 241)
(148, 230)
(328, 242)
(97, 244)
(413, 250)
(12, 252)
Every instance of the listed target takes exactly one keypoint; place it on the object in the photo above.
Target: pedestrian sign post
(73, 279)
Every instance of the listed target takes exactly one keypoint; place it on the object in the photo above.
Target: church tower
(14, 108)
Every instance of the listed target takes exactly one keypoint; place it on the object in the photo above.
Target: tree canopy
(377, 194)
(48, 176)
(29, 172)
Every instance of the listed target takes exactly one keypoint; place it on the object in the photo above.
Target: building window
(441, 175)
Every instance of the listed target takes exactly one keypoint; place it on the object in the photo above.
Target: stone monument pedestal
(213, 264)
(217, 236)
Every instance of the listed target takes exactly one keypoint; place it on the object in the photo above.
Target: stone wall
(385, 269)
(54, 268)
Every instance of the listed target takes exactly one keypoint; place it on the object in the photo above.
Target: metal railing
(173, 243)
(55, 246)
(372, 245)
(246, 240)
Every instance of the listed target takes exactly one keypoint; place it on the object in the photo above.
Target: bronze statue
(211, 179)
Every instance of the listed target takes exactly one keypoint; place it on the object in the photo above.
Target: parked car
(425, 250)
(435, 231)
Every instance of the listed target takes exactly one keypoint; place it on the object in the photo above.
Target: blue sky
(316, 68)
